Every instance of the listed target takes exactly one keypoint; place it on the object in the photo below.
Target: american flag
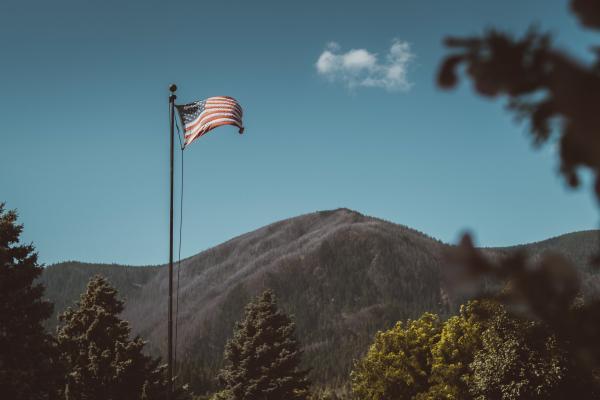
(200, 117)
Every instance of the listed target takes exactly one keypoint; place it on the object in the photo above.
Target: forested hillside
(341, 274)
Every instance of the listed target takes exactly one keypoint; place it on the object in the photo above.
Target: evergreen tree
(102, 361)
(28, 368)
(263, 357)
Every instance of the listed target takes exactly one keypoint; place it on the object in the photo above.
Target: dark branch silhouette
(560, 96)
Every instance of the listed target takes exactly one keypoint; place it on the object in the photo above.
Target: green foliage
(28, 358)
(398, 364)
(452, 355)
(483, 353)
(263, 357)
(102, 361)
(327, 394)
(518, 359)
(222, 395)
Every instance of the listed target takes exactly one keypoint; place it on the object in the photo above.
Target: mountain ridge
(342, 274)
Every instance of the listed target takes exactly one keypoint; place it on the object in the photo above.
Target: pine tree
(102, 361)
(263, 357)
(28, 368)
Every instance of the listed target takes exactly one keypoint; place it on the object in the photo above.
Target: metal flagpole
(172, 98)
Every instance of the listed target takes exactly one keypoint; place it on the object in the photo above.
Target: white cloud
(358, 59)
(359, 67)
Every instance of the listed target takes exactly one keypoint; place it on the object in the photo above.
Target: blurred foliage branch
(543, 84)
(558, 95)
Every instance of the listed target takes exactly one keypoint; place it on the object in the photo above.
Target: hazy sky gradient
(84, 149)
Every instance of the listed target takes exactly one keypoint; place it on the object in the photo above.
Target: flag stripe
(200, 117)
(224, 105)
(202, 127)
(215, 100)
(222, 98)
(212, 118)
(210, 124)
(190, 138)
(204, 113)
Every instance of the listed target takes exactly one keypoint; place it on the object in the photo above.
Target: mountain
(342, 275)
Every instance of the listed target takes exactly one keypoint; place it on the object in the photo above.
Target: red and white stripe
(219, 110)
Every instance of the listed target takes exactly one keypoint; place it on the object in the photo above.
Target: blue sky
(84, 128)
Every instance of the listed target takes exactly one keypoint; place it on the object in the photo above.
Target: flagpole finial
(172, 88)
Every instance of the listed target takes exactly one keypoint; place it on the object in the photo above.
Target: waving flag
(200, 117)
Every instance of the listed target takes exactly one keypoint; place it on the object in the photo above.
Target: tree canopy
(263, 358)
(485, 352)
(102, 361)
(28, 358)
(398, 363)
